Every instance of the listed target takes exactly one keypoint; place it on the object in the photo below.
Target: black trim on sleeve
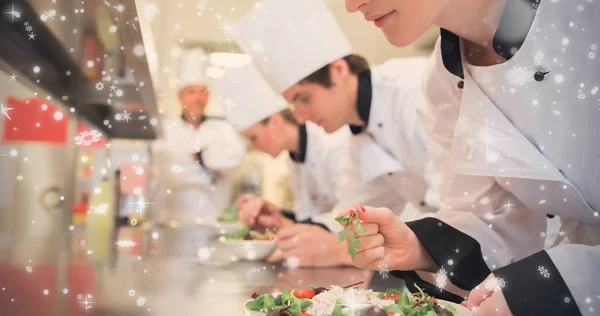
(300, 156)
(288, 214)
(534, 286)
(310, 222)
(466, 268)
(363, 101)
(199, 158)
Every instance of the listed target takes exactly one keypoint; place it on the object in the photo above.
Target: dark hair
(356, 63)
(288, 116)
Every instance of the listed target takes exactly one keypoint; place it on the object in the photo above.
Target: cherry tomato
(305, 314)
(394, 314)
(304, 293)
(392, 297)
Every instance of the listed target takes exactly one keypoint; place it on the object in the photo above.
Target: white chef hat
(247, 96)
(290, 39)
(192, 66)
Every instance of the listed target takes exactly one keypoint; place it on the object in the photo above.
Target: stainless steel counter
(160, 274)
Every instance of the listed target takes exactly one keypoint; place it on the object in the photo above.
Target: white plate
(460, 310)
(251, 250)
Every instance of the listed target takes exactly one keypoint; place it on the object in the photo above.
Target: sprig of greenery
(354, 243)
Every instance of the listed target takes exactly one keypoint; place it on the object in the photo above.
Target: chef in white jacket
(198, 153)
(306, 57)
(515, 125)
(316, 165)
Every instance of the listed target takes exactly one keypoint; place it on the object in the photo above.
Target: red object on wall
(37, 120)
(23, 294)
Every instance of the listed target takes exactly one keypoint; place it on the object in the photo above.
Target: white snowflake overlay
(495, 284)
(126, 243)
(544, 272)
(101, 209)
(87, 138)
(519, 75)
(382, 266)
(441, 279)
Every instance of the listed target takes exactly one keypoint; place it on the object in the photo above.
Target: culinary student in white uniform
(194, 159)
(305, 56)
(514, 121)
(316, 166)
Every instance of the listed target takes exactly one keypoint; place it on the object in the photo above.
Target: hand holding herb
(383, 235)
(353, 219)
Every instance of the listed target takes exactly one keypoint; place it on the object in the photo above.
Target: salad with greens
(248, 234)
(229, 214)
(348, 301)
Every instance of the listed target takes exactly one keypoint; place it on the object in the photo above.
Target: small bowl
(251, 250)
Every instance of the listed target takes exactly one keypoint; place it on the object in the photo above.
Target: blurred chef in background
(195, 159)
(315, 163)
(305, 56)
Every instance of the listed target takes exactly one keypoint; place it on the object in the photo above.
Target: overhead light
(229, 60)
(214, 72)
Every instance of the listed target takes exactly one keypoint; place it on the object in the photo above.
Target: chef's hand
(487, 299)
(256, 212)
(308, 245)
(389, 244)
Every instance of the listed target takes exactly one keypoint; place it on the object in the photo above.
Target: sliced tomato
(304, 293)
(305, 314)
(392, 297)
(394, 314)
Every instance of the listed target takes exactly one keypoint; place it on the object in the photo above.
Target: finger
(370, 242)
(370, 228)
(480, 293)
(378, 215)
(368, 259)
(277, 256)
(495, 305)
(289, 231)
(254, 206)
(348, 211)
(266, 221)
(288, 243)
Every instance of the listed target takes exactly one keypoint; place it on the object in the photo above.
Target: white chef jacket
(389, 164)
(315, 173)
(196, 190)
(518, 141)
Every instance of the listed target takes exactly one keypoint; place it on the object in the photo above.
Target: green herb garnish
(354, 243)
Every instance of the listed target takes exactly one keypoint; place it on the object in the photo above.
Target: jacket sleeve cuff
(534, 286)
(199, 158)
(310, 222)
(288, 214)
(458, 253)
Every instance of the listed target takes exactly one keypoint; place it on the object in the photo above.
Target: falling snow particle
(126, 243)
(544, 272)
(519, 75)
(495, 284)
(441, 279)
(176, 169)
(567, 299)
(131, 293)
(112, 29)
(141, 301)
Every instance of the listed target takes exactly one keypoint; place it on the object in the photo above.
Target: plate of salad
(249, 244)
(350, 301)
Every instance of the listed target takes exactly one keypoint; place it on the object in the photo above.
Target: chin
(398, 39)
